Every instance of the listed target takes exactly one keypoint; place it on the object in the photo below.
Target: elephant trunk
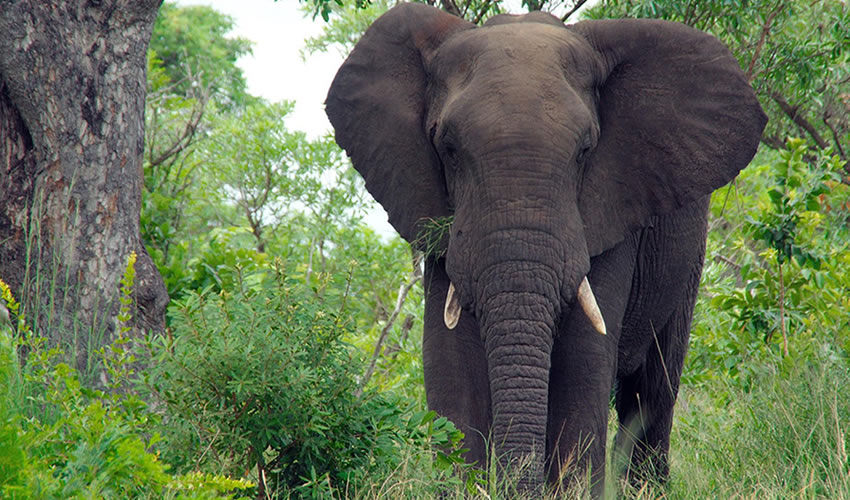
(518, 319)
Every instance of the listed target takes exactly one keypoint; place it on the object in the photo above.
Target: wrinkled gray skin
(562, 152)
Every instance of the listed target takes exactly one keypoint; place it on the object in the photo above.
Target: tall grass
(783, 438)
(73, 442)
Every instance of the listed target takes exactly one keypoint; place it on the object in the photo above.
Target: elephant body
(577, 163)
(641, 355)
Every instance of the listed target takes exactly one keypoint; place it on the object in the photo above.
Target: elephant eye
(582, 154)
(450, 149)
(445, 144)
(432, 132)
(584, 149)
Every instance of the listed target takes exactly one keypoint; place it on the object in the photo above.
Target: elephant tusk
(589, 306)
(451, 314)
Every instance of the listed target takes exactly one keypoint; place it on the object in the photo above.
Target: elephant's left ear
(678, 119)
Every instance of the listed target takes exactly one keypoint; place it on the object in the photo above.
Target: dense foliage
(292, 368)
(61, 439)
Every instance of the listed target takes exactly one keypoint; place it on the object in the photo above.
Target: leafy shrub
(60, 439)
(260, 378)
(776, 279)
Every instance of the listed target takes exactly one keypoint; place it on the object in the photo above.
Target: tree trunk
(72, 95)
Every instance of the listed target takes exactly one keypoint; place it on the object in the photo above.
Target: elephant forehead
(526, 50)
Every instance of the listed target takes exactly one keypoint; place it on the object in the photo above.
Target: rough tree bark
(72, 95)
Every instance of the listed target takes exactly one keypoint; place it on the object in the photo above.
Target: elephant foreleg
(583, 367)
(456, 382)
(645, 398)
(655, 338)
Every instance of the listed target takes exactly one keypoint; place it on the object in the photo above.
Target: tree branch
(726, 260)
(773, 141)
(392, 351)
(481, 12)
(765, 30)
(385, 331)
(185, 139)
(793, 112)
(451, 7)
(782, 309)
(572, 11)
(831, 128)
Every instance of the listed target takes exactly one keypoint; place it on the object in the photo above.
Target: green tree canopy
(192, 45)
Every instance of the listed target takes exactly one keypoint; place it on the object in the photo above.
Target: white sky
(275, 70)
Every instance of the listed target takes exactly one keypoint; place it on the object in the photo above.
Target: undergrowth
(255, 391)
(260, 379)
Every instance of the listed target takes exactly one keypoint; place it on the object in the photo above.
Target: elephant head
(548, 144)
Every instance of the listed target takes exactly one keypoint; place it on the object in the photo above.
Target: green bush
(259, 378)
(776, 279)
(60, 439)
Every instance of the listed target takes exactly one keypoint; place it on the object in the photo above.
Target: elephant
(575, 163)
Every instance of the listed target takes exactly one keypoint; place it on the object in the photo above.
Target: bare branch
(572, 11)
(481, 12)
(726, 260)
(411, 280)
(451, 7)
(782, 308)
(402, 295)
(185, 139)
(310, 261)
(835, 136)
(773, 141)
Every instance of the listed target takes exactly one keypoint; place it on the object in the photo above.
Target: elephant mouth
(585, 298)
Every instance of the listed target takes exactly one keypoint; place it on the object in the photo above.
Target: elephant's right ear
(376, 104)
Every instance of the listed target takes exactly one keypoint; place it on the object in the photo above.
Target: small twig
(688, 13)
(481, 12)
(773, 141)
(380, 307)
(727, 260)
(834, 136)
(391, 352)
(310, 261)
(261, 480)
(414, 276)
(451, 7)
(187, 136)
(782, 309)
(728, 192)
(402, 295)
(663, 363)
